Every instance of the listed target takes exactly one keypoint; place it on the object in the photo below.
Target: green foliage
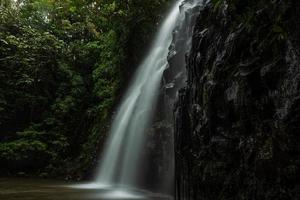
(217, 4)
(21, 150)
(62, 64)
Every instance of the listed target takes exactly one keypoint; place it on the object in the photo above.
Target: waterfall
(121, 154)
(119, 166)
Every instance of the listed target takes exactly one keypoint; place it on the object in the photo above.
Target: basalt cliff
(237, 120)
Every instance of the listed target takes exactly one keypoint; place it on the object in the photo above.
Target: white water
(120, 161)
(121, 154)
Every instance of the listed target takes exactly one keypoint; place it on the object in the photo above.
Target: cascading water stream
(121, 154)
(119, 165)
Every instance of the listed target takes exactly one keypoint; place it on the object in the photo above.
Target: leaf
(72, 9)
(4, 41)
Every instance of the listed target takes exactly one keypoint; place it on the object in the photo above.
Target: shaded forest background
(63, 65)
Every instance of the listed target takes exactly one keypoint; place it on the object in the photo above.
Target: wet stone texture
(237, 122)
(158, 159)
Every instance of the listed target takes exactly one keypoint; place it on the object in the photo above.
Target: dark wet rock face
(237, 122)
(158, 159)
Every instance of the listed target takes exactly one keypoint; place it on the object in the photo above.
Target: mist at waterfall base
(123, 172)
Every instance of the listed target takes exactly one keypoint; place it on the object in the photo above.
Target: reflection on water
(35, 189)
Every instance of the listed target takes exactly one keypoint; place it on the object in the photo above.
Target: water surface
(40, 189)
